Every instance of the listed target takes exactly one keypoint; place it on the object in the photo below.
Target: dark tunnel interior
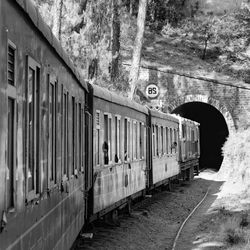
(213, 131)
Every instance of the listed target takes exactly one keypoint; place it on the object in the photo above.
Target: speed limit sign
(152, 91)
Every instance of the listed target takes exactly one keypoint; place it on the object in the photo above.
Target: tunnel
(213, 131)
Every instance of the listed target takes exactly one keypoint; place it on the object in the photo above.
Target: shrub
(232, 232)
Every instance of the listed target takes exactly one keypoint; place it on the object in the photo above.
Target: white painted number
(152, 91)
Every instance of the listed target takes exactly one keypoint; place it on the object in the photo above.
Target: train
(72, 152)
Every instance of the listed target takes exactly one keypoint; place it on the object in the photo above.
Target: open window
(141, 140)
(65, 138)
(117, 139)
(157, 140)
(33, 128)
(162, 141)
(167, 141)
(11, 128)
(52, 170)
(107, 144)
(153, 140)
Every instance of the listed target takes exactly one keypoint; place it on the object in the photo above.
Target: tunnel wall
(175, 90)
(213, 102)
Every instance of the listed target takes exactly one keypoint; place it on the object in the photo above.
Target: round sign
(152, 91)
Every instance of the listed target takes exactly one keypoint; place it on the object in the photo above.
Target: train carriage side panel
(119, 160)
(189, 144)
(3, 109)
(42, 111)
(164, 147)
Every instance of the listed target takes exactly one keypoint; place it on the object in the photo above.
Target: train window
(162, 141)
(98, 137)
(110, 138)
(65, 135)
(11, 132)
(73, 135)
(135, 140)
(10, 180)
(141, 140)
(11, 63)
(52, 134)
(175, 140)
(120, 139)
(83, 139)
(192, 141)
(132, 140)
(76, 139)
(79, 136)
(62, 133)
(167, 140)
(144, 140)
(125, 139)
(157, 140)
(153, 139)
(117, 139)
(107, 139)
(77, 163)
(171, 140)
(184, 131)
(33, 128)
(130, 144)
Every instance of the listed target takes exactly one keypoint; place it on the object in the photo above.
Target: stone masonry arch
(208, 100)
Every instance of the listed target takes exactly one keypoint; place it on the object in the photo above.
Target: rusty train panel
(124, 173)
(164, 147)
(118, 182)
(54, 205)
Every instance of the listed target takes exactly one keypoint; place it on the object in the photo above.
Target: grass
(234, 231)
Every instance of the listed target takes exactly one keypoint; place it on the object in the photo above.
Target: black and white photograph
(124, 124)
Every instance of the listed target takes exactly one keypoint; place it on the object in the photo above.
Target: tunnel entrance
(213, 131)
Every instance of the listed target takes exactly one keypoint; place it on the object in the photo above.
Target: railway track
(188, 217)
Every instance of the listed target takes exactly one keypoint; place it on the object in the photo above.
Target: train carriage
(42, 129)
(71, 151)
(189, 147)
(119, 150)
(164, 148)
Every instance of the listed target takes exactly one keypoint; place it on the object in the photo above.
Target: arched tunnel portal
(213, 131)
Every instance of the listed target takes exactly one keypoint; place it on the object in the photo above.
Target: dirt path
(154, 222)
(193, 236)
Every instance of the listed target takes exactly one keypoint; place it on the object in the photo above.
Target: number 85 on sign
(152, 91)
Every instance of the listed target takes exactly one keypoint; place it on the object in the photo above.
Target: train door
(88, 165)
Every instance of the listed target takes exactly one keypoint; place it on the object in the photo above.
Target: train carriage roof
(164, 116)
(117, 99)
(28, 7)
(186, 120)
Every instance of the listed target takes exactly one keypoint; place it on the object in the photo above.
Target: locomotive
(71, 151)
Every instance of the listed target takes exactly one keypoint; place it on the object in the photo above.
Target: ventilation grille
(11, 65)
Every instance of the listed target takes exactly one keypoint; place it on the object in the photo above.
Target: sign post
(152, 91)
